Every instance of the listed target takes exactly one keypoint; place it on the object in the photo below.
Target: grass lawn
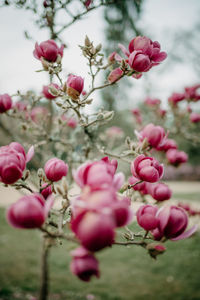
(127, 273)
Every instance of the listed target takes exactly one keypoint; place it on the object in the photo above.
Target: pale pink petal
(30, 154)
(186, 234)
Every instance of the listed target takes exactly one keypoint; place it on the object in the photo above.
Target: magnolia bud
(53, 90)
(98, 48)
(87, 41)
(40, 173)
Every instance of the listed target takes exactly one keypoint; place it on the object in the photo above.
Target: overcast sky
(18, 65)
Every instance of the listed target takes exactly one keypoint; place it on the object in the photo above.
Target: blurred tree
(121, 27)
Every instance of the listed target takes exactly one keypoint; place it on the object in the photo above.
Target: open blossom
(155, 135)
(47, 94)
(146, 168)
(13, 161)
(55, 169)
(160, 191)
(172, 224)
(5, 103)
(143, 54)
(166, 145)
(84, 264)
(194, 117)
(191, 93)
(146, 217)
(48, 50)
(176, 97)
(115, 75)
(29, 211)
(75, 85)
(95, 230)
(99, 174)
(176, 157)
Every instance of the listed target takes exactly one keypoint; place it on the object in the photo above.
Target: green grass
(127, 273)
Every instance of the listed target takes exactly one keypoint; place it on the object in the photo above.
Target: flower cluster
(98, 211)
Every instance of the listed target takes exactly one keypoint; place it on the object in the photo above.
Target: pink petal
(118, 180)
(48, 205)
(124, 50)
(186, 234)
(30, 154)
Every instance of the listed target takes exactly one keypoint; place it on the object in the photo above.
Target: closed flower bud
(29, 211)
(75, 85)
(84, 264)
(146, 168)
(13, 161)
(55, 169)
(48, 50)
(160, 191)
(155, 135)
(50, 91)
(176, 157)
(5, 103)
(94, 230)
(46, 190)
(146, 217)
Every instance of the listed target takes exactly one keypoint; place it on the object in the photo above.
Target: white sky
(18, 65)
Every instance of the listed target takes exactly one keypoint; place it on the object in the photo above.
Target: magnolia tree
(75, 166)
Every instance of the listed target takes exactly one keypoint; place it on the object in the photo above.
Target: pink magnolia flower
(46, 192)
(166, 145)
(47, 94)
(70, 121)
(160, 191)
(5, 103)
(146, 217)
(115, 75)
(84, 264)
(175, 98)
(99, 175)
(152, 102)
(172, 224)
(38, 114)
(155, 135)
(176, 157)
(191, 92)
(13, 161)
(75, 85)
(142, 187)
(48, 50)
(194, 117)
(143, 54)
(29, 211)
(55, 169)
(146, 168)
(94, 230)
